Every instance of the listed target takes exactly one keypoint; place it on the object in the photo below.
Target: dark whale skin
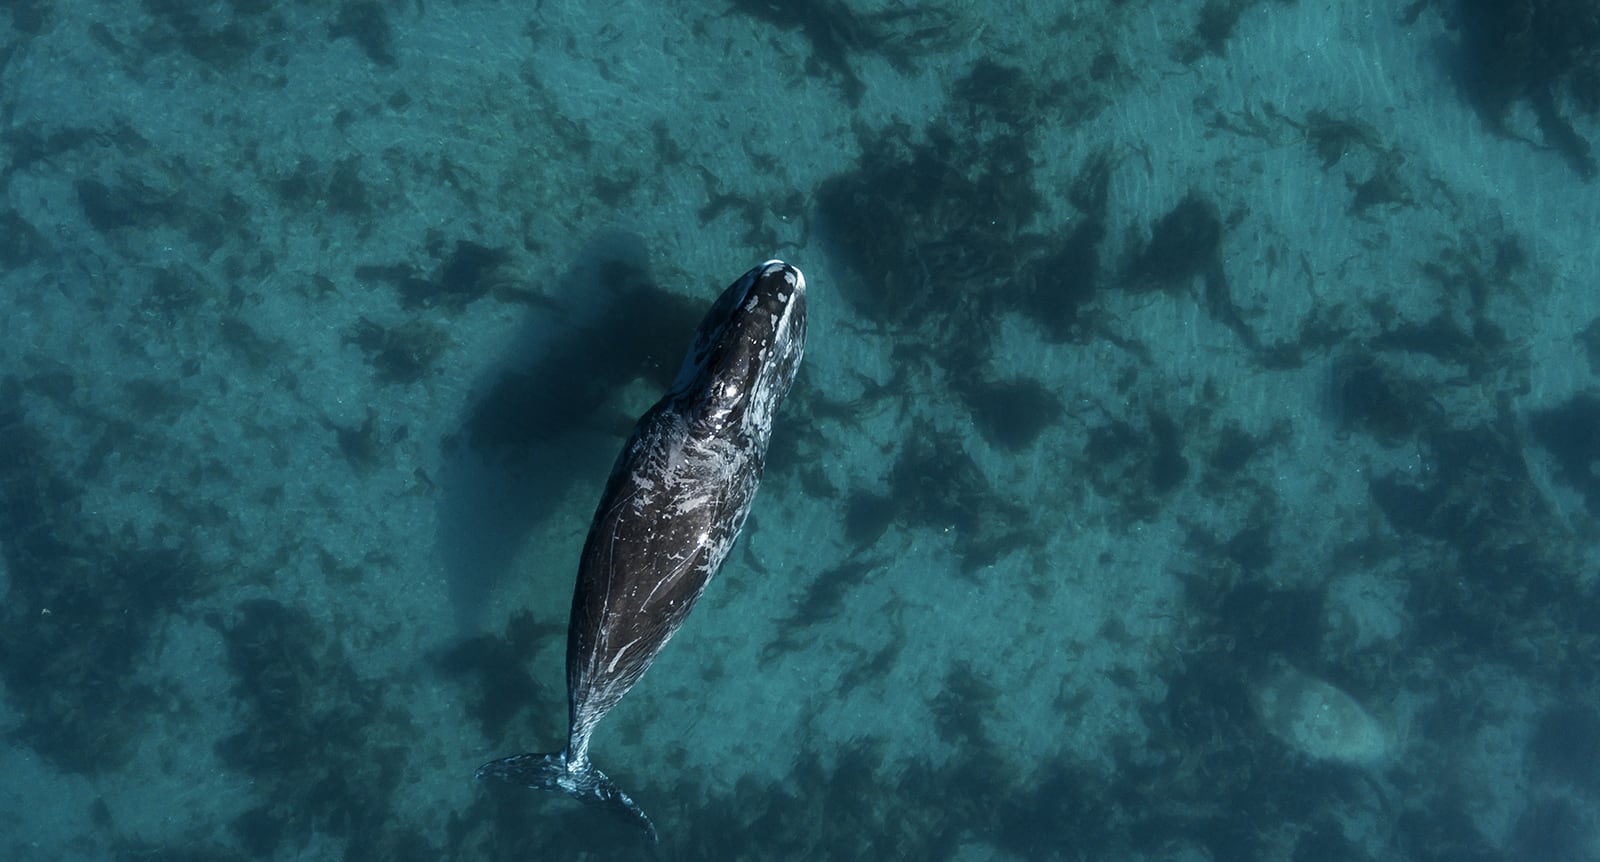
(673, 506)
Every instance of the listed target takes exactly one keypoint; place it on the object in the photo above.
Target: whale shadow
(551, 413)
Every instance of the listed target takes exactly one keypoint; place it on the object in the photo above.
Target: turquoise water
(1195, 456)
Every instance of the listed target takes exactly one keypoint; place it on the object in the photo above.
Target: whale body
(673, 506)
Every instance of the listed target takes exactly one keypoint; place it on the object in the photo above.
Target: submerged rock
(1319, 720)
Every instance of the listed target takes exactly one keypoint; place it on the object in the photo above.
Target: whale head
(746, 352)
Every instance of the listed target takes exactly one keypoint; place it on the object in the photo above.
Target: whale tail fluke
(578, 780)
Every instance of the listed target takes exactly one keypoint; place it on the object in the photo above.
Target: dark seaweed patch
(875, 666)
(669, 153)
(832, 30)
(1443, 833)
(1324, 839)
(126, 205)
(1382, 187)
(30, 145)
(1589, 338)
(1476, 487)
(759, 213)
(500, 687)
(1262, 621)
(1066, 811)
(1215, 24)
(315, 737)
(1136, 467)
(175, 293)
(1168, 468)
(1011, 413)
(401, 354)
(251, 349)
(1367, 395)
(874, 217)
(82, 705)
(20, 243)
(469, 272)
(1571, 434)
(994, 90)
(84, 608)
(30, 16)
(1091, 188)
(1183, 244)
(938, 486)
(1232, 449)
(823, 599)
(1566, 745)
(1251, 548)
(149, 400)
(867, 516)
(1063, 281)
(933, 232)
(223, 47)
(1553, 828)
(1542, 52)
(1460, 275)
(960, 707)
(1495, 588)
(1441, 337)
(299, 187)
(362, 446)
(347, 193)
(1333, 138)
(1207, 716)
(367, 24)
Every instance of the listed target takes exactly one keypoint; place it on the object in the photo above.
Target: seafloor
(1197, 455)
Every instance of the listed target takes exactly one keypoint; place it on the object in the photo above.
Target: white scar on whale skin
(621, 651)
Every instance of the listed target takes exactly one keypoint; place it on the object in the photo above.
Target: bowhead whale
(676, 500)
